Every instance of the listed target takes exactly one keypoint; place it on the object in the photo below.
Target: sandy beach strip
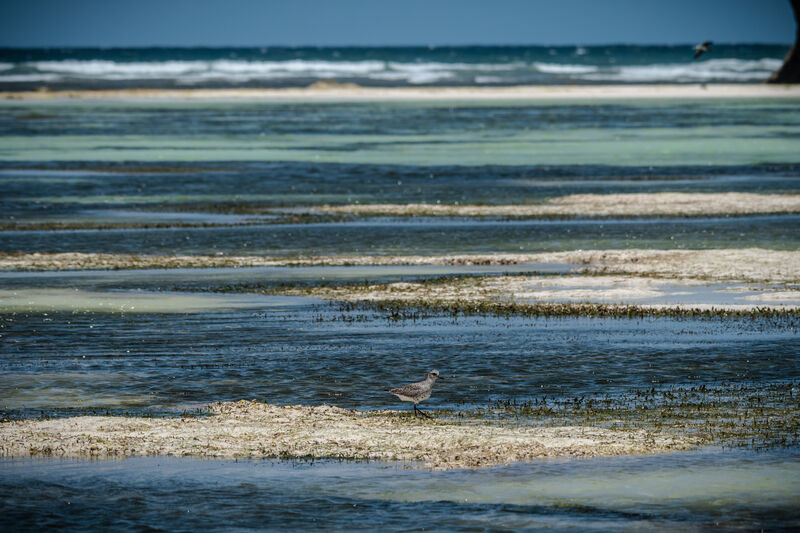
(344, 92)
(258, 430)
(745, 265)
(631, 204)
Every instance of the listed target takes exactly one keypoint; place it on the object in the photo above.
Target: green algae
(402, 309)
(758, 416)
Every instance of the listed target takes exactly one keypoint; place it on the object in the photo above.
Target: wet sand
(339, 92)
(575, 206)
(257, 430)
(559, 296)
(633, 204)
(745, 265)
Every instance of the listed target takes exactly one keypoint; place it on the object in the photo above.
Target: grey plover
(417, 392)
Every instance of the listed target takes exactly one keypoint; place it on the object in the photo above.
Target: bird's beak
(440, 377)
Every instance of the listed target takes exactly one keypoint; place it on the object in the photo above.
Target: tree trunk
(790, 70)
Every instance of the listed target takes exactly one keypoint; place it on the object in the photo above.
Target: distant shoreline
(344, 92)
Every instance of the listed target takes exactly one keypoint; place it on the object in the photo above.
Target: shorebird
(702, 48)
(417, 392)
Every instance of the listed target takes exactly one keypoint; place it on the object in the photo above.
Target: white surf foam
(189, 72)
(103, 69)
(443, 67)
(19, 78)
(239, 71)
(556, 68)
(700, 71)
(488, 79)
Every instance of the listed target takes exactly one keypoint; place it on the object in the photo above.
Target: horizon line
(359, 46)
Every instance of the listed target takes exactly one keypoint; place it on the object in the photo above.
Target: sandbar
(258, 430)
(559, 295)
(630, 204)
(335, 92)
(726, 264)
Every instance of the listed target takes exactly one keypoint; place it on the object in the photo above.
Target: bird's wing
(701, 48)
(409, 390)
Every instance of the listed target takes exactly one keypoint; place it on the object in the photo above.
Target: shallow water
(282, 184)
(423, 237)
(652, 133)
(142, 291)
(119, 162)
(730, 491)
(215, 279)
(216, 162)
(81, 301)
(287, 351)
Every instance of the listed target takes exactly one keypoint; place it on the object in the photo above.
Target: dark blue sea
(86, 68)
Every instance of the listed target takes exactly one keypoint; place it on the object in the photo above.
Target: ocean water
(85, 68)
(84, 176)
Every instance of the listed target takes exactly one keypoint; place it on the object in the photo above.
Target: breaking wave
(389, 67)
(701, 71)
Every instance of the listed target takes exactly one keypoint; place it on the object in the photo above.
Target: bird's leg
(420, 411)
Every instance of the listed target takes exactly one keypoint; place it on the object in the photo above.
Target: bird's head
(434, 375)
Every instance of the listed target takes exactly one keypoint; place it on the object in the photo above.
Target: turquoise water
(624, 133)
(700, 491)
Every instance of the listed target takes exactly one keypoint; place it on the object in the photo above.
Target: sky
(107, 23)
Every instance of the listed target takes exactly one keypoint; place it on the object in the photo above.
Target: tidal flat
(221, 290)
(662, 420)
(743, 264)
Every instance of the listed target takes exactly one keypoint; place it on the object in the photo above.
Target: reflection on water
(687, 492)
